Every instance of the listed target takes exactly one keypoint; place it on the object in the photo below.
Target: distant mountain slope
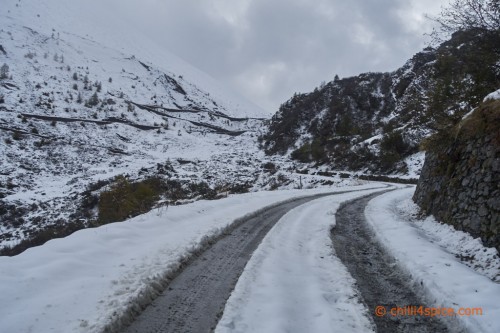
(107, 24)
(376, 121)
(78, 108)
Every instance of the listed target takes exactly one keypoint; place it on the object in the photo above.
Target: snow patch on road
(294, 282)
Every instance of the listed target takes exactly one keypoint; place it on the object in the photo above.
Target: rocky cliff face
(460, 180)
(374, 121)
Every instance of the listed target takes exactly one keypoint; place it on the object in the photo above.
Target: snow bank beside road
(447, 281)
(88, 280)
(470, 250)
(294, 283)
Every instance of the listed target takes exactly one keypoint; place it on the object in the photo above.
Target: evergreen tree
(4, 72)
(93, 101)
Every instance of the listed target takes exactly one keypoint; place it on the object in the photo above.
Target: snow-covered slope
(84, 97)
(108, 24)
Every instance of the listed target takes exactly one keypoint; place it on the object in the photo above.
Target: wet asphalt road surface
(195, 299)
(378, 278)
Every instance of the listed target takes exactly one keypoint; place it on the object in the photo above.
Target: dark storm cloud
(269, 49)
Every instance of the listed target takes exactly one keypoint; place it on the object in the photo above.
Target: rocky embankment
(460, 180)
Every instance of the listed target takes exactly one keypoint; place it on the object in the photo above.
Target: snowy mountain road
(195, 299)
(378, 278)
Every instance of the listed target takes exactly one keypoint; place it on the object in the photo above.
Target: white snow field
(90, 279)
(428, 252)
(294, 282)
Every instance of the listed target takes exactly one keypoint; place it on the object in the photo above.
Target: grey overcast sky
(268, 49)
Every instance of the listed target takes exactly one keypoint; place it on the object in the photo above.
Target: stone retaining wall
(460, 179)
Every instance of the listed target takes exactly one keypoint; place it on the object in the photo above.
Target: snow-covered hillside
(84, 98)
(107, 23)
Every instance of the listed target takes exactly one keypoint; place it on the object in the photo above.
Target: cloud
(269, 49)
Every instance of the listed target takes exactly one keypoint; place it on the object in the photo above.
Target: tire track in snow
(379, 280)
(294, 283)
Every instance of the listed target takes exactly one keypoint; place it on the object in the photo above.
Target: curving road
(195, 299)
